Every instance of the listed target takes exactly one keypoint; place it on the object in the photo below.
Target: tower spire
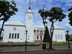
(29, 4)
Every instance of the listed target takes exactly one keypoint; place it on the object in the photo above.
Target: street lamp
(68, 39)
(26, 41)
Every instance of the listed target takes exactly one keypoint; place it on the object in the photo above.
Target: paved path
(21, 48)
(40, 52)
(30, 48)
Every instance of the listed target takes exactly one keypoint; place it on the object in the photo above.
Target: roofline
(58, 29)
(49, 28)
(15, 25)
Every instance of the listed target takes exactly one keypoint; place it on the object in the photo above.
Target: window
(34, 31)
(56, 37)
(14, 28)
(37, 37)
(28, 39)
(37, 30)
(15, 35)
(41, 33)
(18, 36)
(9, 35)
(40, 30)
(61, 37)
(12, 35)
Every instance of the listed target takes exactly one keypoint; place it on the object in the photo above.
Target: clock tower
(29, 25)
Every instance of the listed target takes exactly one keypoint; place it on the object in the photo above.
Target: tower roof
(29, 7)
(29, 10)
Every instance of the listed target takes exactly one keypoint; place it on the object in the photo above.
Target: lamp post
(68, 39)
(26, 41)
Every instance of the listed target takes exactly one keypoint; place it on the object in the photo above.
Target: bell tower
(29, 24)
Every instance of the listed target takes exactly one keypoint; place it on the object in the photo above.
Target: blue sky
(23, 5)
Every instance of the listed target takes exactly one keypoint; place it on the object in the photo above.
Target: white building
(16, 31)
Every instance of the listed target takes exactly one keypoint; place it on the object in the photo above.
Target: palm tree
(7, 9)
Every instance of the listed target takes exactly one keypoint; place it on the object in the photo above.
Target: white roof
(57, 27)
(41, 26)
(29, 10)
(38, 26)
(15, 23)
(35, 26)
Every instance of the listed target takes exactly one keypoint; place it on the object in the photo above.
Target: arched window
(61, 37)
(40, 30)
(34, 31)
(18, 36)
(37, 37)
(56, 37)
(12, 35)
(14, 28)
(15, 35)
(9, 35)
(37, 30)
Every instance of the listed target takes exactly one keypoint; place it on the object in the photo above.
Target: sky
(23, 5)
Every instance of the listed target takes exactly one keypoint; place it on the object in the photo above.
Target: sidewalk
(32, 48)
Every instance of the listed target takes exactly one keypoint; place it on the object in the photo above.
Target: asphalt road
(35, 50)
(41, 52)
(29, 48)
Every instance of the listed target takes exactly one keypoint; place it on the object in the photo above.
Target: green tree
(53, 15)
(46, 35)
(43, 14)
(7, 9)
(70, 15)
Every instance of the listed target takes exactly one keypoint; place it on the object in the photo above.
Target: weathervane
(29, 4)
(44, 5)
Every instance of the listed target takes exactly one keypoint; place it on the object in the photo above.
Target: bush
(1, 38)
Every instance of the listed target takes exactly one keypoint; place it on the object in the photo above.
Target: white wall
(10, 29)
(59, 35)
(29, 26)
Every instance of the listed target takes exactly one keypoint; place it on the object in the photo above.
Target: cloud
(23, 5)
(68, 4)
(21, 1)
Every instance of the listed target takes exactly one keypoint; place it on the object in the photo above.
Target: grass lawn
(22, 43)
(59, 43)
(18, 43)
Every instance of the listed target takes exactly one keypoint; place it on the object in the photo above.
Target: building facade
(16, 31)
(58, 36)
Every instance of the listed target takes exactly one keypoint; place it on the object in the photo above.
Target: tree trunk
(46, 34)
(51, 33)
(2, 28)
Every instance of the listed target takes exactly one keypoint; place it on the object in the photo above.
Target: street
(40, 52)
(35, 50)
